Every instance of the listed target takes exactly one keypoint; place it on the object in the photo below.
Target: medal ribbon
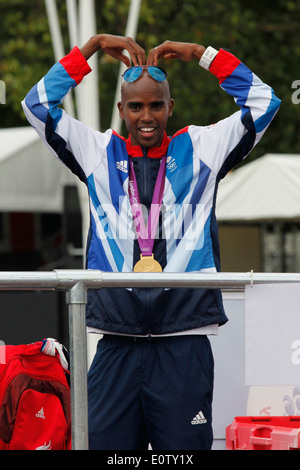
(146, 234)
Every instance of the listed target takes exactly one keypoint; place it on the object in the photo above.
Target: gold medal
(147, 264)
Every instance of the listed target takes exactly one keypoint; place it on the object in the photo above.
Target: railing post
(77, 298)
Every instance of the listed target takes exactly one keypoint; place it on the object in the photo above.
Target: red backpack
(35, 403)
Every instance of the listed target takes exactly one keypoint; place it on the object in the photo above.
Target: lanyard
(146, 234)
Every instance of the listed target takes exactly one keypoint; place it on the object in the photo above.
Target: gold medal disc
(147, 264)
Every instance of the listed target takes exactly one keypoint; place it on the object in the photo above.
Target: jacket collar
(153, 152)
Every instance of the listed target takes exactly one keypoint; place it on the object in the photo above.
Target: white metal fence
(76, 284)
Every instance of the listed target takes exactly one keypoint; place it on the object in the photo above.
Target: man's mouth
(147, 131)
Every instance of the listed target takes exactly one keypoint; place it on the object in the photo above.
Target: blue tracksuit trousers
(156, 391)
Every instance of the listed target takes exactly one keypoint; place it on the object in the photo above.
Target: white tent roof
(265, 189)
(31, 179)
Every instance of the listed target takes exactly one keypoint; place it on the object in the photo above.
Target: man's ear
(121, 110)
(171, 107)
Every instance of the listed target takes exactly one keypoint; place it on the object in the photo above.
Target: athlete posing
(151, 380)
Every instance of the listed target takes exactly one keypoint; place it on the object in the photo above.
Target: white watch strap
(207, 57)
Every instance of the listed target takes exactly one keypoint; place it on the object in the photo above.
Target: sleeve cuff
(76, 65)
(223, 65)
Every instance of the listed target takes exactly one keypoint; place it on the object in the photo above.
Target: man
(151, 380)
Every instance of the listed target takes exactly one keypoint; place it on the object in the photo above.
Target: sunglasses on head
(133, 73)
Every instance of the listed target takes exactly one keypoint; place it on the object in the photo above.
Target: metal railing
(76, 284)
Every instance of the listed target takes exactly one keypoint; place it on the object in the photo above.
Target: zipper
(146, 190)
(148, 316)
(146, 195)
(145, 174)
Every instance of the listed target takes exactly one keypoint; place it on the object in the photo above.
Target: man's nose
(147, 115)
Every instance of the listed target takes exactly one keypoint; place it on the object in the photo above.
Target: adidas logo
(45, 446)
(199, 419)
(40, 414)
(122, 165)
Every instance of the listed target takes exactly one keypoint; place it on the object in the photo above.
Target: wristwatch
(207, 57)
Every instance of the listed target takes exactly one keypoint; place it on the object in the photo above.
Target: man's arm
(114, 46)
(175, 50)
(69, 139)
(71, 69)
(230, 140)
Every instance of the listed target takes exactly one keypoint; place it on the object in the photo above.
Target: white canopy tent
(31, 179)
(258, 210)
(267, 189)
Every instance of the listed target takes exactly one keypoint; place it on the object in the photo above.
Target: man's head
(145, 106)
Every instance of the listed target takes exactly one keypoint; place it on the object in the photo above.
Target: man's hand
(175, 50)
(114, 46)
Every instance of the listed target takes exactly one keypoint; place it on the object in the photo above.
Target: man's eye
(157, 106)
(134, 106)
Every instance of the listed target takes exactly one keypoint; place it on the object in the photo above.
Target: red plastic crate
(264, 433)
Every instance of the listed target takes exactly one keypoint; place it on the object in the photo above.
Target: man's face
(145, 107)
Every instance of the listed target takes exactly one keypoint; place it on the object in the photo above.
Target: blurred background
(42, 226)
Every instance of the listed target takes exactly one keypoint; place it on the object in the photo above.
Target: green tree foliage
(25, 54)
(263, 34)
